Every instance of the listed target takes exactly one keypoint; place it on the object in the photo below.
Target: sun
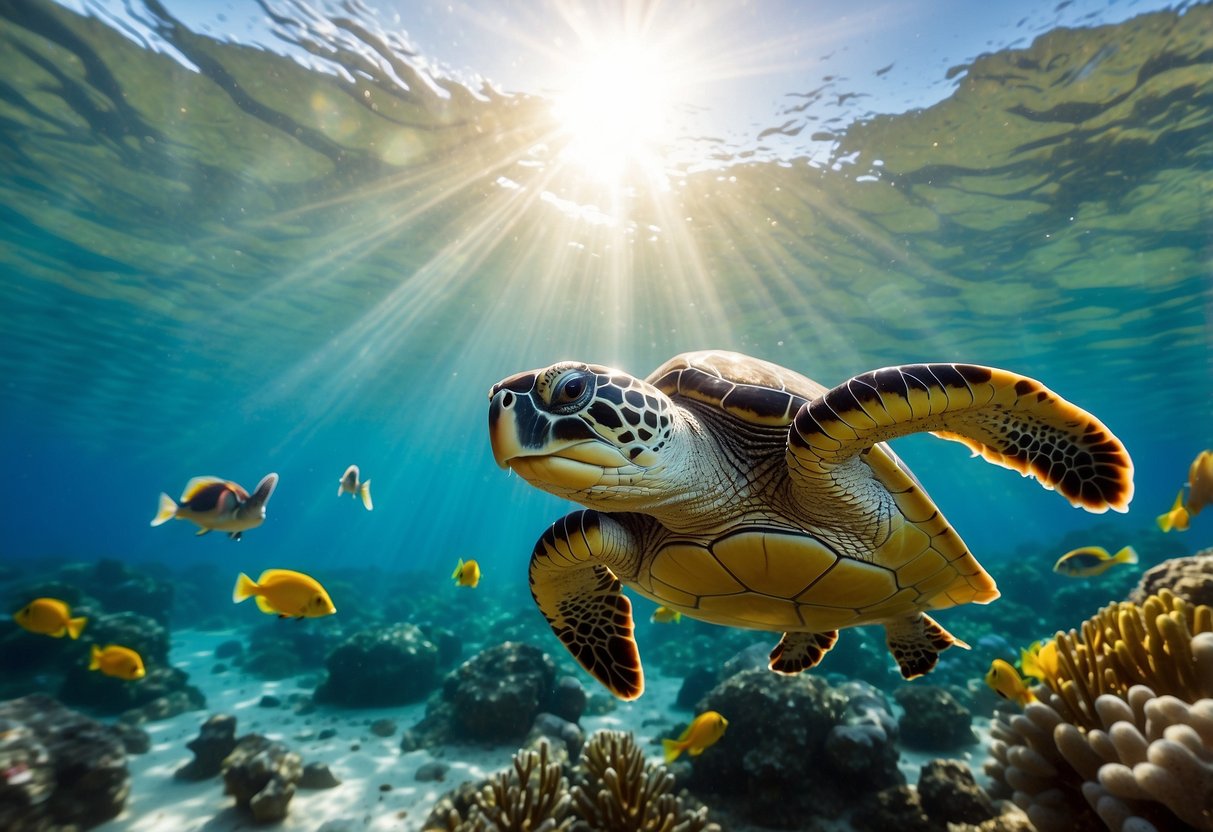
(614, 109)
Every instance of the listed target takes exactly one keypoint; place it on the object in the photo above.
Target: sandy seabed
(363, 762)
(379, 789)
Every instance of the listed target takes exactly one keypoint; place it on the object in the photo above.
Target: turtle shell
(850, 561)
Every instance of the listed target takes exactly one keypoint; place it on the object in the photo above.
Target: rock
(317, 776)
(326, 734)
(262, 775)
(134, 740)
(492, 697)
(383, 727)
(214, 742)
(342, 825)
(568, 699)
(933, 719)
(694, 685)
(375, 668)
(61, 768)
(431, 772)
(561, 733)
(219, 667)
(949, 794)
(229, 649)
(898, 807)
(787, 754)
(119, 587)
(409, 741)
(270, 701)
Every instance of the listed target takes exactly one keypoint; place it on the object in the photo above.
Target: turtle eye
(571, 392)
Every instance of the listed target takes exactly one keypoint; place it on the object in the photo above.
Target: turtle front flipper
(1009, 419)
(800, 651)
(579, 595)
(916, 642)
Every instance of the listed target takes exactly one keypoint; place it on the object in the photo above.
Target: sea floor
(379, 789)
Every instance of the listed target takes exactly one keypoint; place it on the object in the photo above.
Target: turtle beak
(509, 400)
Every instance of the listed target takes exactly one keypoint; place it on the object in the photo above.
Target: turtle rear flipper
(1008, 419)
(800, 651)
(916, 642)
(582, 600)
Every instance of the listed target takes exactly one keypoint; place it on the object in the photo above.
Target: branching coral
(1103, 750)
(620, 794)
(616, 792)
(531, 796)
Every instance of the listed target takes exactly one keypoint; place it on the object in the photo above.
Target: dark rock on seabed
(794, 749)
(380, 667)
(76, 767)
(262, 775)
(492, 697)
(214, 742)
(933, 719)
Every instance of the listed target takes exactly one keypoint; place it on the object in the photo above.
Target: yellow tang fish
(665, 615)
(467, 573)
(1092, 560)
(1040, 661)
(349, 484)
(703, 732)
(116, 661)
(1177, 518)
(1200, 482)
(50, 617)
(218, 505)
(285, 593)
(1005, 680)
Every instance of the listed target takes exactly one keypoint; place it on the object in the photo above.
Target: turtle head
(582, 431)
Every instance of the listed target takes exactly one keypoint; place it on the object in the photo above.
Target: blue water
(238, 266)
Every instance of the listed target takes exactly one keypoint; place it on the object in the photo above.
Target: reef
(613, 790)
(1122, 735)
(1189, 578)
(796, 748)
(946, 798)
(215, 740)
(379, 667)
(495, 696)
(933, 720)
(59, 770)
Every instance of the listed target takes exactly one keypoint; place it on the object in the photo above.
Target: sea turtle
(742, 493)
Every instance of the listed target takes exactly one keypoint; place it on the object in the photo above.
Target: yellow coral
(1127, 644)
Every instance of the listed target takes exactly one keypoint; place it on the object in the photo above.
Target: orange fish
(50, 617)
(1200, 482)
(218, 505)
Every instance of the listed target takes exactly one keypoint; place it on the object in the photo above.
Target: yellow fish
(1005, 680)
(1092, 560)
(703, 732)
(50, 617)
(665, 615)
(1177, 518)
(348, 484)
(467, 573)
(1200, 482)
(1039, 661)
(119, 662)
(285, 593)
(218, 505)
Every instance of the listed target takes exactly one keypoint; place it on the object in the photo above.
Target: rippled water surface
(218, 258)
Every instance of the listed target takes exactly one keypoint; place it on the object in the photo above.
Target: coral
(1191, 578)
(532, 796)
(620, 794)
(1126, 644)
(1103, 750)
(615, 792)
